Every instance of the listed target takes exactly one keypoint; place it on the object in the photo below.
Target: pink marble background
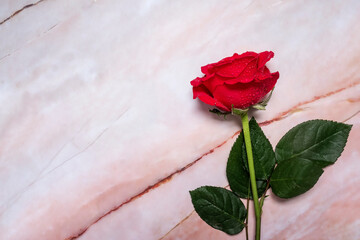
(100, 137)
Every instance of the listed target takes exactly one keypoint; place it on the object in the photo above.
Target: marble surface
(101, 139)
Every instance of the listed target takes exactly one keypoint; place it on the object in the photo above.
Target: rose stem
(245, 124)
(247, 214)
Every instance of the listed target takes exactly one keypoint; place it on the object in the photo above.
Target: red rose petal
(264, 57)
(244, 67)
(196, 82)
(210, 82)
(213, 82)
(240, 80)
(244, 95)
(205, 69)
(269, 84)
(237, 68)
(203, 94)
(265, 74)
(212, 67)
(240, 95)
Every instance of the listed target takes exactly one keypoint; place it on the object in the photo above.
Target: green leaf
(220, 208)
(236, 173)
(294, 177)
(263, 153)
(320, 141)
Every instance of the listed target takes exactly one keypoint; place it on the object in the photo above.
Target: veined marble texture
(101, 139)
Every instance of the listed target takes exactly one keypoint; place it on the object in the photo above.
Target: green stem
(247, 214)
(263, 196)
(245, 123)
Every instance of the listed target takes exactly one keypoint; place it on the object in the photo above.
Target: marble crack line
(29, 42)
(80, 152)
(91, 143)
(279, 117)
(296, 107)
(178, 224)
(41, 175)
(20, 10)
(50, 28)
(149, 188)
(17, 196)
(350, 117)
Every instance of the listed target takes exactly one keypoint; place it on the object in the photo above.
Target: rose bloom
(239, 81)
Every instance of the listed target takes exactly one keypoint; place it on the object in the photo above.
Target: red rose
(241, 80)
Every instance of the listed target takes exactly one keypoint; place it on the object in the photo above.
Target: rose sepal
(262, 105)
(238, 111)
(259, 106)
(218, 112)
